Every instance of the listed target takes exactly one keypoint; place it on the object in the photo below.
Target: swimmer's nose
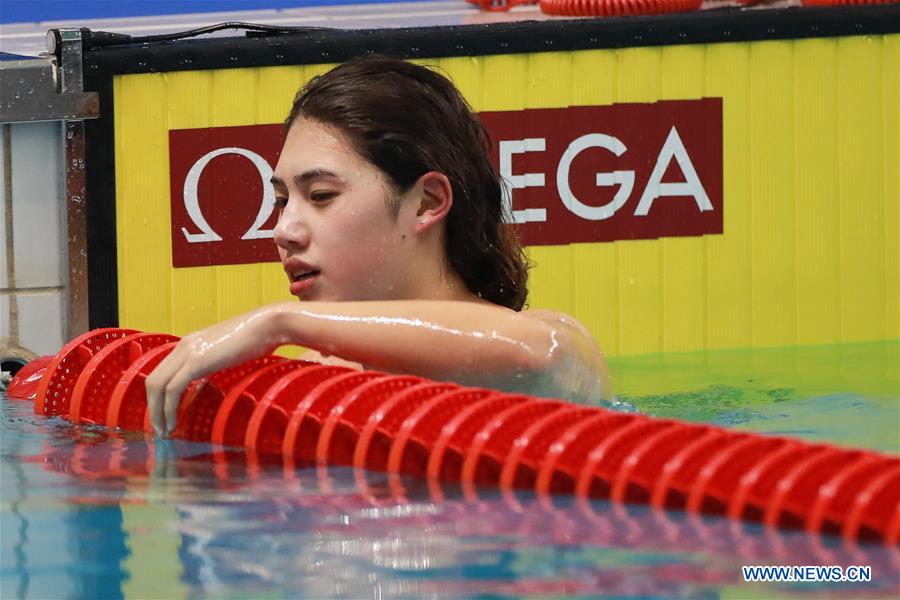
(290, 231)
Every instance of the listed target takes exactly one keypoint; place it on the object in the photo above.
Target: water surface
(91, 513)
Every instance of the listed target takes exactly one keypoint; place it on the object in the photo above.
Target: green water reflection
(848, 394)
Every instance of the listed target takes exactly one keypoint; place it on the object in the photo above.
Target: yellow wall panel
(728, 278)
(683, 258)
(891, 136)
(816, 193)
(596, 266)
(142, 188)
(549, 83)
(861, 180)
(193, 300)
(640, 313)
(504, 82)
(772, 221)
(809, 252)
(465, 72)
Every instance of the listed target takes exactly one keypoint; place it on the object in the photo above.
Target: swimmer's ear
(435, 199)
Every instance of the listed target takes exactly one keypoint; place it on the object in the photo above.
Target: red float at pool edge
(24, 384)
(55, 388)
(404, 424)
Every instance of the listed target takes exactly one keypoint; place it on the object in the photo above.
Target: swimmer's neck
(441, 283)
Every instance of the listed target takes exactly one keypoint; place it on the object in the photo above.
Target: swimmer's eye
(322, 196)
(280, 202)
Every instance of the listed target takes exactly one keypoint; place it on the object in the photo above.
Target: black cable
(97, 39)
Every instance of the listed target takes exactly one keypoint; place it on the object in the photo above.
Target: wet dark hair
(408, 120)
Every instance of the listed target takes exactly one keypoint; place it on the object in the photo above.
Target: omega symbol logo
(192, 203)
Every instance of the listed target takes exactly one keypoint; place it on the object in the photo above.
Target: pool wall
(794, 141)
(806, 251)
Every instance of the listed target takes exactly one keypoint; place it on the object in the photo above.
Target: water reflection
(110, 515)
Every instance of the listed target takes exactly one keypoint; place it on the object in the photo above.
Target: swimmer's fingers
(157, 383)
(176, 386)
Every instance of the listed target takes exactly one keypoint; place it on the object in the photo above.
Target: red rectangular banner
(222, 200)
(575, 174)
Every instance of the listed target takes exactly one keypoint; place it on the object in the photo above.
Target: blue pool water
(91, 513)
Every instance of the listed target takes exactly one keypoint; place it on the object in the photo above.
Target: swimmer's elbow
(566, 359)
(546, 350)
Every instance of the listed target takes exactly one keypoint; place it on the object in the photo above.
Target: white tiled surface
(37, 206)
(41, 322)
(3, 282)
(4, 317)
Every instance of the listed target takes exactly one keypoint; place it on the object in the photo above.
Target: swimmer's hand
(199, 354)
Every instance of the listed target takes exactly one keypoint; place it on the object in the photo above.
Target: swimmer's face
(335, 236)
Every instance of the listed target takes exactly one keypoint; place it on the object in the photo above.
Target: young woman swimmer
(391, 232)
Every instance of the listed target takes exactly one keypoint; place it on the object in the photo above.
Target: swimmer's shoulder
(563, 322)
(581, 366)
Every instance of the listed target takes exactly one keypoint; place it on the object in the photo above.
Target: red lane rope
(620, 8)
(844, 2)
(475, 437)
(616, 8)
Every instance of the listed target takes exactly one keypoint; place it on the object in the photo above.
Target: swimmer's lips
(303, 281)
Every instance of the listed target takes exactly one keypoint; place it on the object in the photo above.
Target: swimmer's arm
(539, 352)
(473, 343)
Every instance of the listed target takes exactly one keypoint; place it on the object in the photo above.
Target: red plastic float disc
(265, 431)
(874, 505)
(715, 480)
(640, 470)
(55, 389)
(416, 435)
(342, 426)
(617, 8)
(835, 496)
(376, 437)
(233, 416)
(756, 485)
(796, 490)
(527, 451)
(93, 391)
(561, 465)
(448, 451)
(24, 384)
(201, 401)
(679, 471)
(599, 468)
(128, 401)
(305, 421)
(483, 460)
(451, 433)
